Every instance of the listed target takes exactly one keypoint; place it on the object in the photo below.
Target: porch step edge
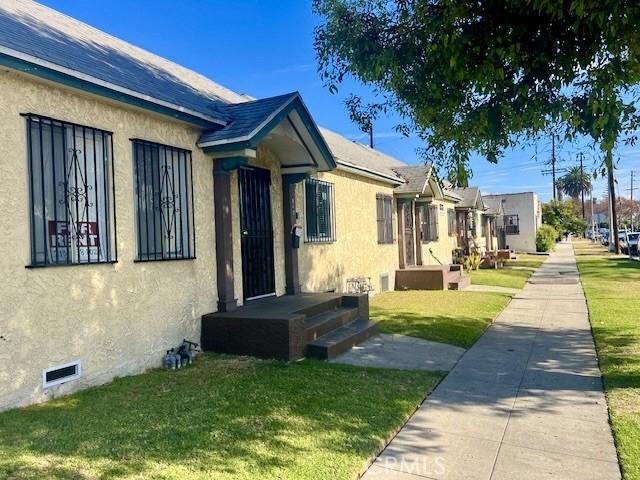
(325, 322)
(342, 339)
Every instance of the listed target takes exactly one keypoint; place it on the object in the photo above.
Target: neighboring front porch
(420, 204)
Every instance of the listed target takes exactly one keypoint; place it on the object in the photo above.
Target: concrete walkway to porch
(402, 352)
(526, 401)
(490, 288)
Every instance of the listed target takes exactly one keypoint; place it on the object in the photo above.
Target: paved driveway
(525, 402)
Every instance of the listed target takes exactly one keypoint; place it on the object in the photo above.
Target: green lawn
(222, 418)
(526, 260)
(457, 318)
(502, 277)
(612, 287)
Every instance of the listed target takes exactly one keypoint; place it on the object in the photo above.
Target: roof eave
(46, 70)
(366, 172)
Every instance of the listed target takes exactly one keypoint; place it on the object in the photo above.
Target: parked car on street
(630, 242)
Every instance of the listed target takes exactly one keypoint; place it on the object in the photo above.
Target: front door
(256, 230)
(409, 237)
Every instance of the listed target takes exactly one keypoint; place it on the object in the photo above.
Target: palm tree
(574, 182)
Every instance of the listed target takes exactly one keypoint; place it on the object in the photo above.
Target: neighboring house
(148, 202)
(520, 219)
(476, 224)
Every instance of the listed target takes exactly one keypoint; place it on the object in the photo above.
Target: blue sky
(265, 47)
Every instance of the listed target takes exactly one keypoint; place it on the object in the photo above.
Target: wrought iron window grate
(319, 211)
(511, 224)
(164, 202)
(71, 191)
(429, 223)
(384, 212)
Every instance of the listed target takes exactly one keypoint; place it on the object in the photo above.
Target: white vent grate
(61, 374)
(384, 282)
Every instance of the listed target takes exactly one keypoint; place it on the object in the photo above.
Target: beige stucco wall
(265, 158)
(356, 251)
(117, 319)
(443, 248)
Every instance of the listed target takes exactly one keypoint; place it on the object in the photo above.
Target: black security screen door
(256, 227)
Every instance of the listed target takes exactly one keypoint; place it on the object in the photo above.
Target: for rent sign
(82, 242)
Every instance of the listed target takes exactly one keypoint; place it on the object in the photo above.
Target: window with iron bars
(71, 191)
(384, 213)
(511, 224)
(164, 202)
(319, 211)
(429, 223)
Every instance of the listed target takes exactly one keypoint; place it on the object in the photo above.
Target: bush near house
(546, 238)
(563, 216)
(222, 418)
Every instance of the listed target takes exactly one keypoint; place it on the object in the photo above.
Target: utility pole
(612, 199)
(553, 164)
(582, 183)
(371, 136)
(632, 205)
(593, 218)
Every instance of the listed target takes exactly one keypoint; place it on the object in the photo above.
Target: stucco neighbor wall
(356, 251)
(443, 248)
(526, 206)
(117, 319)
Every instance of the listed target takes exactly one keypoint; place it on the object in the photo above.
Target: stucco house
(476, 222)
(145, 203)
(520, 219)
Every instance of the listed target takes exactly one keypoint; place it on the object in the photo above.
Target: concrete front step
(462, 282)
(325, 322)
(342, 339)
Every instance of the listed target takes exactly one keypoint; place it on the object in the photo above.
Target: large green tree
(563, 216)
(483, 75)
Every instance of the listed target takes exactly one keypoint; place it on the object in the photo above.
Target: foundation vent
(61, 374)
(384, 282)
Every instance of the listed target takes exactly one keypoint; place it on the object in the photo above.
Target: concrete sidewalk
(525, 402)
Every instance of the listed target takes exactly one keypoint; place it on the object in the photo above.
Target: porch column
(401, 254)
(222, 168)
(290, 214)
(418, 230)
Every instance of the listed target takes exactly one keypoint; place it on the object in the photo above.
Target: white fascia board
(365, 172)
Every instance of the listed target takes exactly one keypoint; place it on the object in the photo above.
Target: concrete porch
(320, 325)
(432, 277)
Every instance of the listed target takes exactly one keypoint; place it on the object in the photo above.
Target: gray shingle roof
(471, 197)
(246, 117)
(355, 154)
(415, 176)
(35, 30)
(493, 204)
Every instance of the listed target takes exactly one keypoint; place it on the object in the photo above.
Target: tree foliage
(481, 76)
(563, 217)
(575, 181)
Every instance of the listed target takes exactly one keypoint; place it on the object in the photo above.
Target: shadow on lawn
(224, 416)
